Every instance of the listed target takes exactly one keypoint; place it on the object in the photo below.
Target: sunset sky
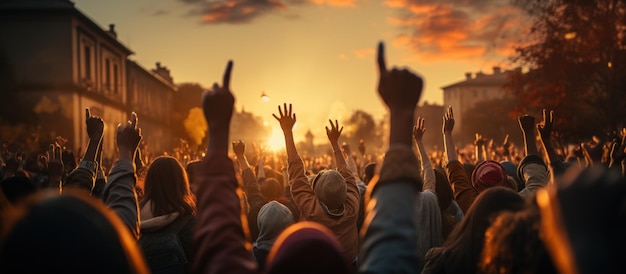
(316, 54)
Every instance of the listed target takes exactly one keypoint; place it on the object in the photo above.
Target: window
(115, 79)
(107, 74)
(87, 61)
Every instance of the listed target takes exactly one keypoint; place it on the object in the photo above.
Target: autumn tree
(492, 120)
(576, 60)
(362, 126)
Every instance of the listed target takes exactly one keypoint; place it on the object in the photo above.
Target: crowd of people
(495, 209)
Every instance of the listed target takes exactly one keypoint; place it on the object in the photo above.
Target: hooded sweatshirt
(273, 218)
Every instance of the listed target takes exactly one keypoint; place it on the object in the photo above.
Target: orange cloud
(336, 3)
(363, 53)
(453, 29)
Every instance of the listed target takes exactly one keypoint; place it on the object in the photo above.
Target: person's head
(489, 174)
(272, 189)
(469, 169)
(16, 188)
(368, 172)
(330, 188)
(513, 245)
(467, 239)
(167, 187)
(273, 218)
(307, 247)
(511, 170)
(71, 233)
(444, 190)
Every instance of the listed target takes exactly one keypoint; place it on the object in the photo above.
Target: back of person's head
(167, 187)
(467, 239)
(273, 218)
(16, 188)
(191, 176)
(368, 172)
(330, 188)
(511, 170)
(469, 169)
(513, 244)
(489, 174)
(272, 189)
(307, 247)
(444, 190)
(71, 233)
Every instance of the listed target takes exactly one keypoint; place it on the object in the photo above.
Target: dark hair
(272, 189)
(466, 241)
(513, 245)
(167, 186)
(368, 172)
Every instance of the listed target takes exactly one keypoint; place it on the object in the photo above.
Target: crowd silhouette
(494, 209)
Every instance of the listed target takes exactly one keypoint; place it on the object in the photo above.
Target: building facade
(56, 62)
(464, 95)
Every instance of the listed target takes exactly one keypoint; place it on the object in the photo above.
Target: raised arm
(219, 236)
(251, 187)
(481, 153)
(119, 193)
(527, 125)
(390, 238)
(545, 133)
(427, 168)
(333, 137)
(618, 154)
(464, 192)
(448, 142)
(84, 176)
(347, 154)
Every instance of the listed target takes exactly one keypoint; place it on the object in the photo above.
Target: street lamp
(264, 97)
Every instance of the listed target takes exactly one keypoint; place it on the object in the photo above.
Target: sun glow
(276, 141)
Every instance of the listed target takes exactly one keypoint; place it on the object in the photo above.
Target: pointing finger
(382, 66)
(133, 120)
(226, 80)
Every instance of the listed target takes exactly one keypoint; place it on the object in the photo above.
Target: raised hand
(545, 126)
(286, 119)
(506, 146)
(618, 150)
(399, 89)
(448, 121)
(218, 102)
(479, 141)
(526, 123)
(239, 148)
(95, 126)
(419, 129)
(53, 163)
(128, 137)
(334, 132)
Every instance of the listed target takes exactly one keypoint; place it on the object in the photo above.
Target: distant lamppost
(265, 97)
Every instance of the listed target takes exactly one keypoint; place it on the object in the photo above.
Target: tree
(188, 96)
(361, 126)
(492, 120)
(577, 65)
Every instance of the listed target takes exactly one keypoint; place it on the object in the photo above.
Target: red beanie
(488, 174)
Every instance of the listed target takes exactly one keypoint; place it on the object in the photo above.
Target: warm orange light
(570, 35)
(277, 140)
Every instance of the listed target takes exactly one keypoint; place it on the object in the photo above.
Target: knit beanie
(489, 174)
